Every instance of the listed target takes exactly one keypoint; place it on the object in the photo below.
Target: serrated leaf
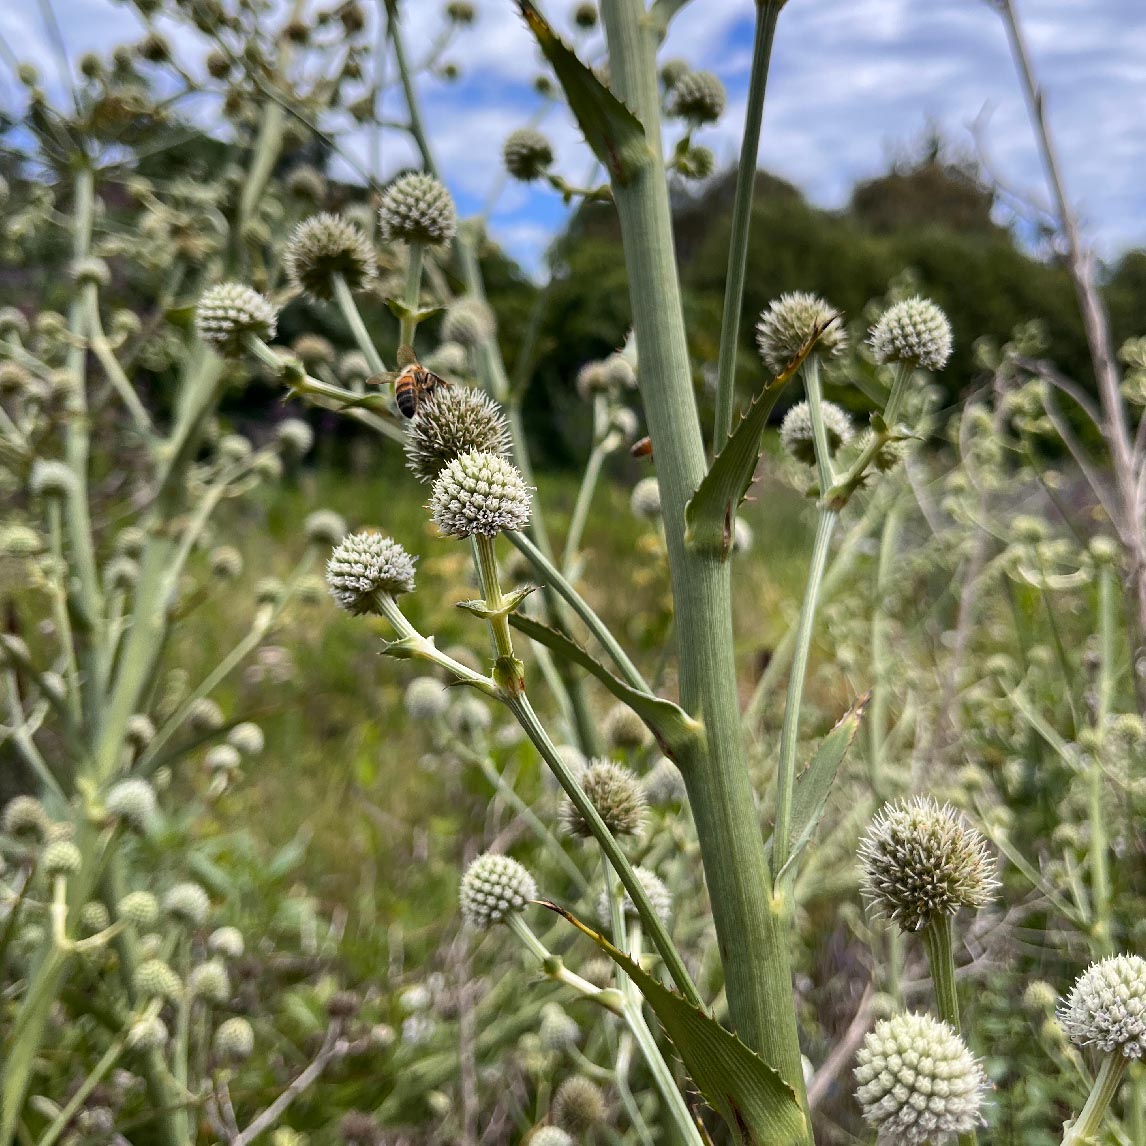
(511, 602)
(814, 784)
(674, 729)
(760, 1108)
(614, 133)
(711, 511)
(401, 310)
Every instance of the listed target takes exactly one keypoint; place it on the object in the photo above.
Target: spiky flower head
(551, 1136)
(480, 493)
(797, 437)
(209, 981)
(51, 479)
(154, 979)
(223, 758)
(920, 861)
(61, 858)
(789, 321)
(698, 96)
(324, 246)
(1039, 996)
(138, 907)
(226, 562)
(147, 1033)
(133, 801)
(226, 942)
(205, 715)
(294, 436)
(366, 564)
(918, 1082)
(94, 917)
(915, 332)
(1107, 1007)
(664, 784)
(187, 902)
(697, 162)
(558, 1028)
(660, 898)
(527, 154)
(469, 322)
(493, 888)
(234, 1040)
(452, 421)
(228, 312)
(416, 208)
(324, 527)
(623, 728)
(25, 818)
(645, 500)
(616, 793)
(579, 1105)
(426, 698)
(91, 270)
(247, 737)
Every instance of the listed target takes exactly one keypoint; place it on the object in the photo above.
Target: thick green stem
(938, 939)
(767, 13)
(1084, 1130)
(1099, 846)
(353, 318)
(409, 323)
(881, 666)
(789, 733)
(750, 926)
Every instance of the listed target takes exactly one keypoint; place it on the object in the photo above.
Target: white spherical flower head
(798, 438)
(132, 801)
(226, 942)
(228, 312)
(324, 246)
(915, 332)
(324, 527)
(234, 1039)
(493, 888)
(187, 902)
(480, 493)
(527, 154)
(1107, 1007)
(417, 209)
(918, 1082)
(920, 861)
(469, 322)
(450, 422)
(698, 96)
(364, 565)
(659, 896)
(645, 500)
(551, 1136)
(615, 793)
(789, 321)
(138, 907)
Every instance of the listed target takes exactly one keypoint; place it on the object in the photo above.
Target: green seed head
(61, 858)
(417, 208)
(918, 1082)
(579, 1105)
(698, 96)
(154, 979)
(527, 154)
(228, 312)
(234, 1040)
(616, 793)
(140, 908)
(209, 982)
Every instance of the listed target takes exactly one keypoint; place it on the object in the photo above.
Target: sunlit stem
(353, 318)
(602, 446)
(409, 321)
(1084, 1130)
(486, 562)
(903, 373)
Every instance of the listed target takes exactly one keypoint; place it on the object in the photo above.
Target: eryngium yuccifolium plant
(918, 1082)
(228, 312)
(234, 1040)
(659, 897)
(1106, 1008)
(920, 861)
(551, 1136)
(698, 96)
(887, 457)
(61, 858)
(789, 321)
(25, 818)
(480, 493)
(154, 979)
(527, 154)
(324, 246)
(450, 422)
(579, 1105)
(798, 439)
(226, 942)
(138, 907)
(915, 332)
(364, 565)
(133, 801)
(324, 527)
(187, 902)
(616, 793)
(469, 322)
(493, 888)
(645, 500)
(417, 208)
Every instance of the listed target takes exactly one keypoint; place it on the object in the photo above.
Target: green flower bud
(209, 982)
(154, 979)
(915, 332)
(527, 154)
(579, 1105)
(617, 795)
(228, 312)
(699, 97)
(417, 208)
(188, 903)
(61, 858)
(140, 908)
(132, 801)
(234, 1040)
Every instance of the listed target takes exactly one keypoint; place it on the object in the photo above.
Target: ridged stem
(938, 939)
(409, 323)
(767, 13)
(750, 925)
(353, 318)
(1084, 1130)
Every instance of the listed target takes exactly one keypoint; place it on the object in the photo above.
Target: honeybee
(413, 383)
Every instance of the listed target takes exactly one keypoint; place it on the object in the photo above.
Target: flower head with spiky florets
(228, 312)
(915, 332)
(798, 438)
(364, 565)
(579, 1105)
(789, 321)
(234, 1040)
(324, 246)
(133, 801)
(918, 1082)
(1106, 1008)
(551, 1136)
(698, 96)
(920, 861)
(493, 888)
(452, 421)
(469, 322)
(616, 793)
(187, 902)
(527, 154)
(480, 493)
(416, 208)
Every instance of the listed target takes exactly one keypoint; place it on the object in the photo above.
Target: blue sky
(852, 83)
